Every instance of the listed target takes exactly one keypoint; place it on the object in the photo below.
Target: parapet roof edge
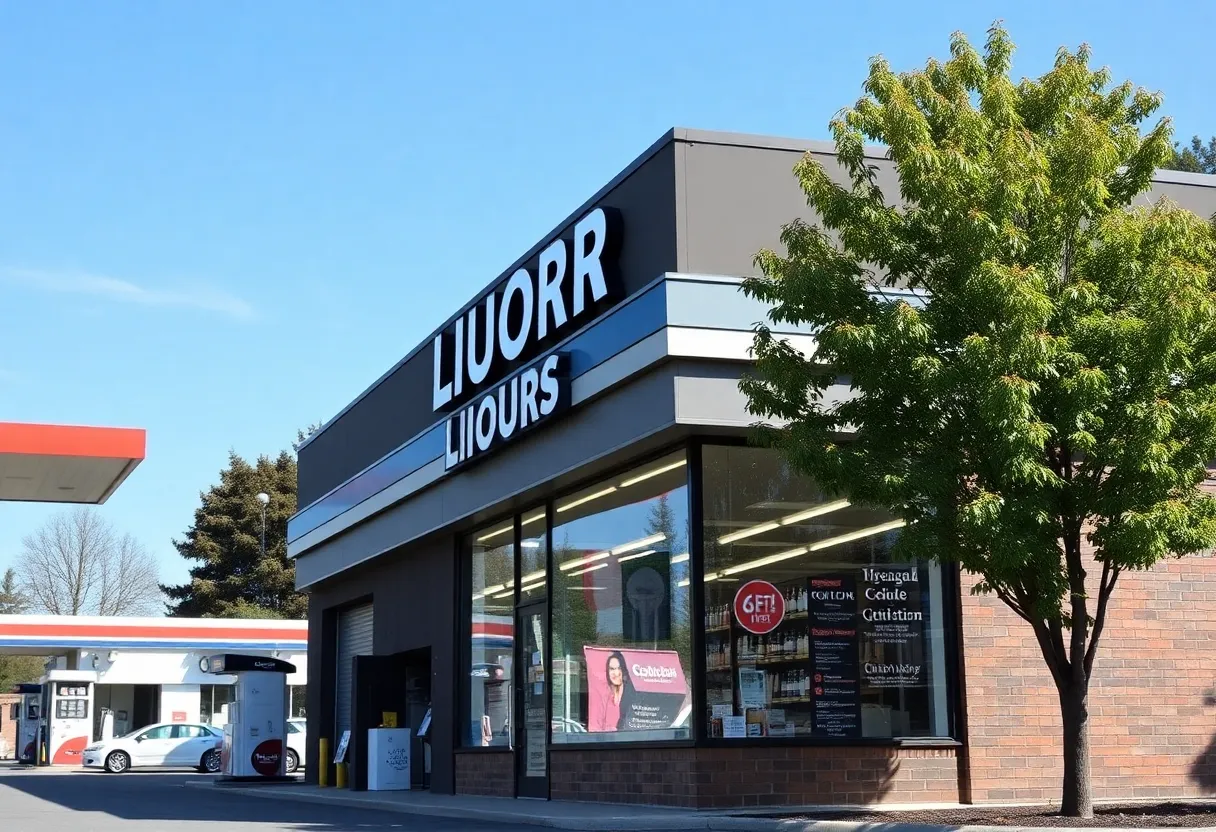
(675, 134)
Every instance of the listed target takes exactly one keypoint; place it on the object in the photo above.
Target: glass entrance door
(532, 697)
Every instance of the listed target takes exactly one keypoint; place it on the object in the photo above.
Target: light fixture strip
(761, 528)
(589, 569)
(604, 492)
(652, 473)
(827, 543)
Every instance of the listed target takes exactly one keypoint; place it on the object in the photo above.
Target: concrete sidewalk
(594, 817)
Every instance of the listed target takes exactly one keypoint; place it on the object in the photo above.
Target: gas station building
(140, 671)
(106, 676)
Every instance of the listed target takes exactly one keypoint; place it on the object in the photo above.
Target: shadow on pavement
(163, 797)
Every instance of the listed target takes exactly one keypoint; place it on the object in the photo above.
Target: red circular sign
(266, 757)
(759, 607)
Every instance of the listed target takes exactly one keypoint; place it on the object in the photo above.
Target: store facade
(543, 535)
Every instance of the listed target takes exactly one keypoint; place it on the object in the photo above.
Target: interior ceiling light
(826, 543)
(510, 527)
(589, 569)
(654, 472)
(789, 519)
(633, 545)
(601, 493)
(681, 558)
(494, 534)
(636, 555)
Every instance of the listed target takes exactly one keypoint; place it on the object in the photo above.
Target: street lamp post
(264, 499)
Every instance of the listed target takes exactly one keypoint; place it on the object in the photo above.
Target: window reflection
(492, 588)
(621, 614)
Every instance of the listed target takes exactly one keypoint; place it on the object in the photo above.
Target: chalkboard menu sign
(835, 683)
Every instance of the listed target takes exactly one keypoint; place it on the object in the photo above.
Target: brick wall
(1152, 728)
(486, 773)
(8, 728)
(740, 777)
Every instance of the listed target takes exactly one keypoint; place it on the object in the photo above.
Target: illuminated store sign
(574, 281)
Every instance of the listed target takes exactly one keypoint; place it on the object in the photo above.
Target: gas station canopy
(66, 463)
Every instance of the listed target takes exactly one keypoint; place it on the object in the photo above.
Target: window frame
(464, 630)
(695, 729)
(692, 447)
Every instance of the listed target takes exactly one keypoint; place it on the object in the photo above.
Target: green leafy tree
(1198, 158)
(16, 670)
(232, 578)
(1044, 413)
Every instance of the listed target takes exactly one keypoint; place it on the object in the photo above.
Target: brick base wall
(487, 773)
(1152, 715)
(706, 778)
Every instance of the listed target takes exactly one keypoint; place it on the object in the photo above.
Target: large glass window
(811, 629)
(492, 588)
(621, 624)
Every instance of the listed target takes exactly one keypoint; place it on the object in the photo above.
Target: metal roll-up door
(354, 639)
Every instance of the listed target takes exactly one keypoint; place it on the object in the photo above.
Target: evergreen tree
(233, 579)
(15, 670)
(1198, 158)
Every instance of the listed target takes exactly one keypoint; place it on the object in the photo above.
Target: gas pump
(255, 736)
(67, 718)
(26, 713)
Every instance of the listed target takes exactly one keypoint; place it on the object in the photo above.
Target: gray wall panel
(414, 596)
(400, 404)
(737, 197)
(1193, 197)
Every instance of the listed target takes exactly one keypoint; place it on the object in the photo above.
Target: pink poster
(633, 690)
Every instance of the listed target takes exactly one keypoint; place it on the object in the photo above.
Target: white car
(297, 736)
(165, 744)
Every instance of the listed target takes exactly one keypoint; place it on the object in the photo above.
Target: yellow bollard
(340, 775)
(323, 765)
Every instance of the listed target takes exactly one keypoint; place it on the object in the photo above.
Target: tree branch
(1106, 588)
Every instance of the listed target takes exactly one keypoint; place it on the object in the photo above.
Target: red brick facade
(1153, 716)
(705, 778)
(487, 773)
(1153, 726)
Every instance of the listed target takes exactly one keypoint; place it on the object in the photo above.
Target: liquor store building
(545, 528)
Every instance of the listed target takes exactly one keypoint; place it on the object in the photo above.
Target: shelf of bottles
(782, 655)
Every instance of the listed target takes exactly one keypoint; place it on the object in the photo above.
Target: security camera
(264, 498)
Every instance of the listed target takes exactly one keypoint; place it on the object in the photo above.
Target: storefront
(544, 528)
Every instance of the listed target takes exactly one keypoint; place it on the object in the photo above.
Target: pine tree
(233, 579)
(15, 670)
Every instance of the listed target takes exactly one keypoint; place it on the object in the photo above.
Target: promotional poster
(633, 690)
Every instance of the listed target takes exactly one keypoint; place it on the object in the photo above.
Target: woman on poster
(613, 711)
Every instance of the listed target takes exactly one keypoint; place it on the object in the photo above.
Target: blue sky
(222, 221)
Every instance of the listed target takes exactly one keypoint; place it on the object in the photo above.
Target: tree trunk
(1078, 797)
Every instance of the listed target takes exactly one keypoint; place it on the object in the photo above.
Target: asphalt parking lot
(37, 800)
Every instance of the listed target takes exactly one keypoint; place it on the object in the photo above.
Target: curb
(638, 823)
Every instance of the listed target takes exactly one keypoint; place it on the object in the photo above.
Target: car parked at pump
(171, 744)
(297, 737)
